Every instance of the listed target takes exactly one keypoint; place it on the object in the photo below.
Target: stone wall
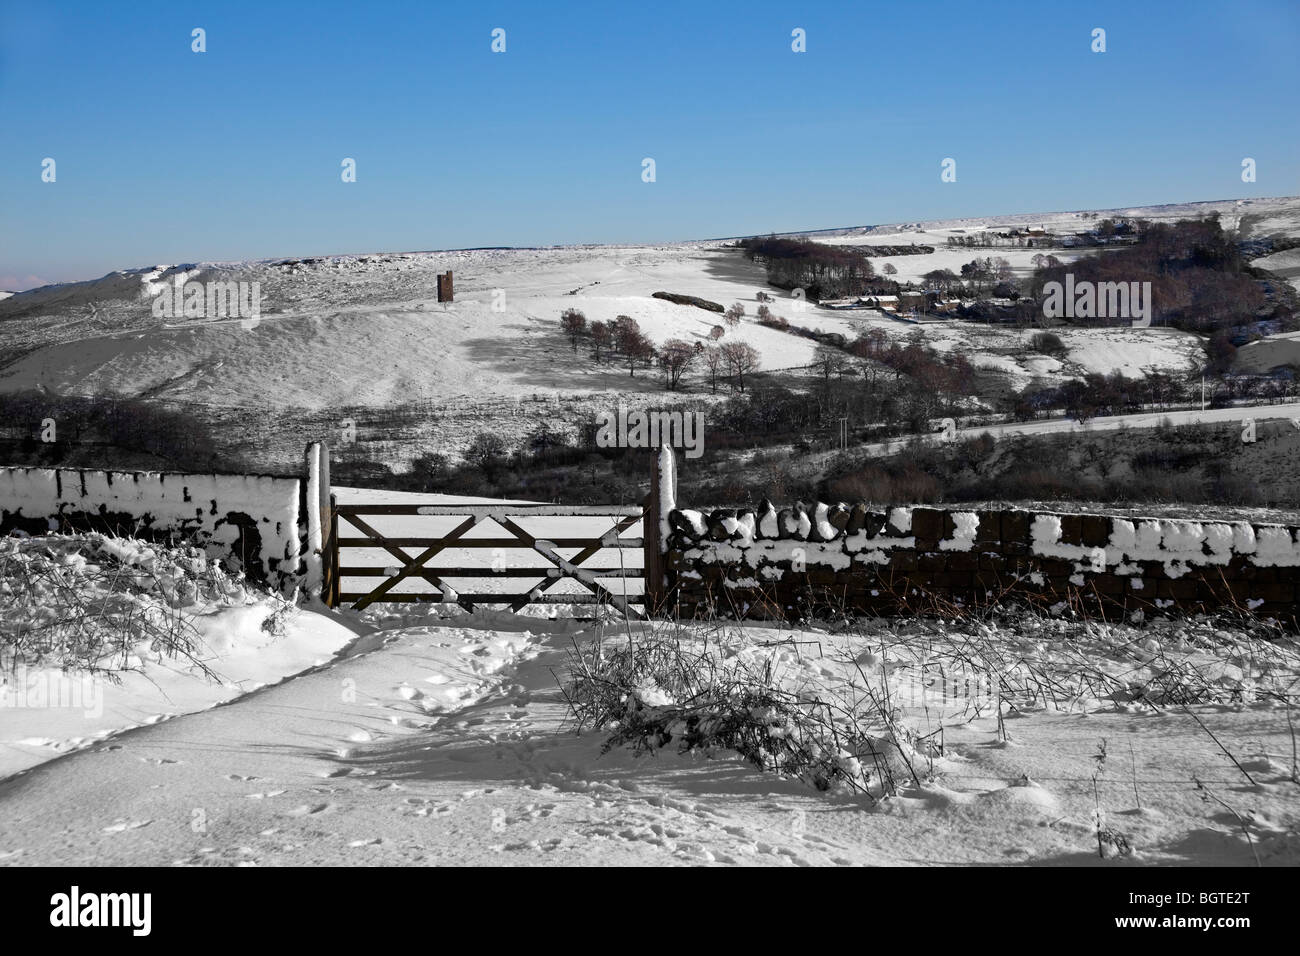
(804, 561)
(252, 523)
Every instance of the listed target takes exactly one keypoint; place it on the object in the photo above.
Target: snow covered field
(443, 737)
(367, 329)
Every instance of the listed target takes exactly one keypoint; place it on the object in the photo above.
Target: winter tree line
(621, 341)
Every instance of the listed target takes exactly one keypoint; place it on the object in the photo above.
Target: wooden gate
(356, 553)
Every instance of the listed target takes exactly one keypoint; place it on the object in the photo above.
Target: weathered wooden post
(656, 529)
(332, 583)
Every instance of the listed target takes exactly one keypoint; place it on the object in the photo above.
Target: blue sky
(165, 155)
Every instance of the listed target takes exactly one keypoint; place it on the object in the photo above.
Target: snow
(695, 520)
(46, 712)
(367, 329)
(825, 530)
(322, 327)
(436, 737)
(901, 519)
(1285, 264)
(1177, 543)
(1057, 426)
(963, 539)
(435, 742)
(667, 490)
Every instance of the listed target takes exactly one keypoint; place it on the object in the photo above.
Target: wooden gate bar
(491, 510)
(629, 543)
(488, 598)
(538, 572)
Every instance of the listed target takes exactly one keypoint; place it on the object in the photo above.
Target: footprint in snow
(309, 809)
(263, 796)
(373, 841)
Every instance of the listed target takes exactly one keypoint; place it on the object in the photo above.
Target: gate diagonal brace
(569, 567)
(410, 565)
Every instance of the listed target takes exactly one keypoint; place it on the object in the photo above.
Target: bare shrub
(652, 692)
(86, 602)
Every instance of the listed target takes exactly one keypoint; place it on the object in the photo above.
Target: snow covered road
(1058, 426)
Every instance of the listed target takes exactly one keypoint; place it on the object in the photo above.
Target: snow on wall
(251, 522)
(968, 555)
(1175, 543)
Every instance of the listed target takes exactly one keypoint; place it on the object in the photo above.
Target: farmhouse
(913, 300)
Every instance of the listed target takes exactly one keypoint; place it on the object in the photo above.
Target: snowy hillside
(367, 329)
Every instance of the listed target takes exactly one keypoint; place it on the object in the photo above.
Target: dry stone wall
(802, 561)
(252, 523)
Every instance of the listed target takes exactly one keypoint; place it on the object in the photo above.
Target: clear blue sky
(164, 155)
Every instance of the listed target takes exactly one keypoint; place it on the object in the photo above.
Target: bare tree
(890, 269)
(674, 358)
(625, 332)
(637, 351)
(714, 362)
(602, 336)
(717, 332)
(764, 313)
(828, 361)
(740, 358)
(734, 314)
(487, 451)
(574, 324)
